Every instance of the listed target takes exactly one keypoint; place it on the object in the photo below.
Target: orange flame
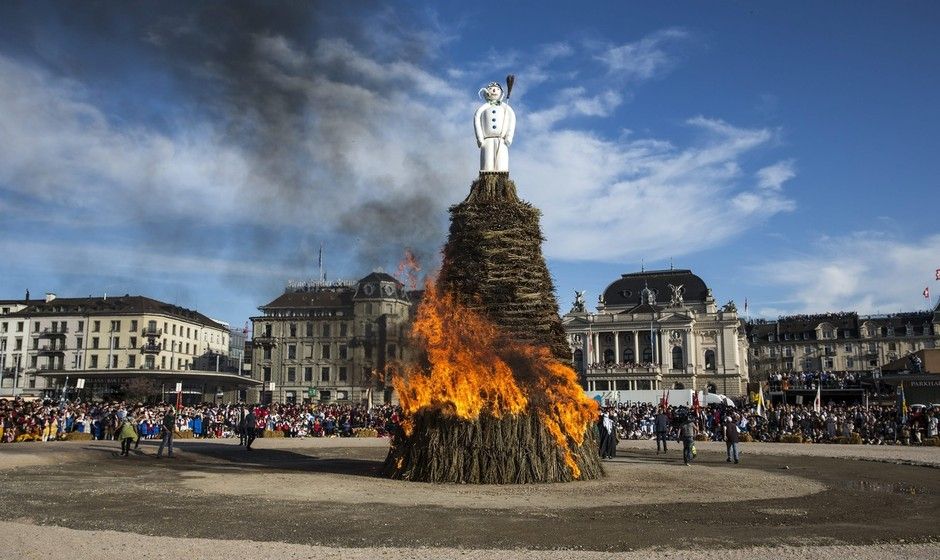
(473, 368)
(408, 270)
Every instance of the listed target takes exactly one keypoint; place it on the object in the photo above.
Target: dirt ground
(322, 498)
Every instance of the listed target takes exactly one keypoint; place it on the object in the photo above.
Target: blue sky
(785, 152)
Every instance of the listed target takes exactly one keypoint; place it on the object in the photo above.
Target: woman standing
(127, 434)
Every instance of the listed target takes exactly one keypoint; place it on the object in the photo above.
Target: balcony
(151, 333)
(264, 340)
(49, 333)
(151, 349)
(50, 350)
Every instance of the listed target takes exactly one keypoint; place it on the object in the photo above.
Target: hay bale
(493, 264)
(513, 449)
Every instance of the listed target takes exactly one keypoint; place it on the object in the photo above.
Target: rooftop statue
(495, 125)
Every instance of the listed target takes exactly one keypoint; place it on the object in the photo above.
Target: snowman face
(493, 92)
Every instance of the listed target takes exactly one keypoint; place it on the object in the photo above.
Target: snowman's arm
(477, 126)
(510, 125)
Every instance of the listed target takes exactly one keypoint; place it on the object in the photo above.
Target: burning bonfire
(482, 407)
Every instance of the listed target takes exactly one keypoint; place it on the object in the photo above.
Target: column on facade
(597, 348)
(667, 350)
(636, 346)
(616, 347)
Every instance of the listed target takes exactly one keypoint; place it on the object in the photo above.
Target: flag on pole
(927, 292)
(696, 404)
(938, 274)
(902, 403)
(817, 402)
(745, 306)
(760, 400)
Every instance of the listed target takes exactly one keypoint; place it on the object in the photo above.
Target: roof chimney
(49, 296)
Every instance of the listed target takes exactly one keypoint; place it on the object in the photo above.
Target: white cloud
(405, 130)
(868, 272)
(615, 200)
(774, 176)
(643, 59)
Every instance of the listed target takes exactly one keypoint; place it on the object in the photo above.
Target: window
(292, 351)
(628, 356)
(291, 375)
(291, 397)
(114, 359)
(94, 361)
(828, 363)
(622, 385)
(266, 373)
(343, 352)
(133, 340)
(115, 342)
(94, 342)
(677, 358)
(647, 355)
(293, 329)
(3, 327)
(132, 361)
(608, 356)
(368, 309)
(710, 359)
(96, 326)
(325, 351)
(267, 330)
(162, 362)
(325, 395)
(324, 374)
(848, 347)
(19, 326)
(35, 327)
(342, 373)
(343, 331)
(266, 354)
(309, 329)
(115, 326)
(326, 330)
(18, 345)
(850, 363)
(602, 385)
(133, 325)
(846, 334)
(308, 374)
(892, 346)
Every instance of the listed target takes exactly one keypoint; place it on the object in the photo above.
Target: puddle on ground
(881, 487)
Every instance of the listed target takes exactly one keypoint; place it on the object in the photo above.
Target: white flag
(760, 400)
(817, 402)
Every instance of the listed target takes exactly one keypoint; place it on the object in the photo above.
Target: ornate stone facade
(327, 342)
(659, 329)
(839, 341)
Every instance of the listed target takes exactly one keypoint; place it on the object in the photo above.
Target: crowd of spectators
(806, 380)
(22, 420)
(875, 425)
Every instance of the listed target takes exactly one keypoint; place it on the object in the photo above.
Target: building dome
(628, 289)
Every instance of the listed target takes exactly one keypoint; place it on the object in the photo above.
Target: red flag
(696, 405)
(927, 292)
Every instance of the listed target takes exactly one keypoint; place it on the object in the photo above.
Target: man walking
(251, 424)
(168, 426)
(687, 433)
(661, 425)
(731, 439)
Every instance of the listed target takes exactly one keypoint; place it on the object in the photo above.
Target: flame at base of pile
(512, 449)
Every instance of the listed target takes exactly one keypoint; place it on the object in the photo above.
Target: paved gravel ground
(29, 542)
(321, 498)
